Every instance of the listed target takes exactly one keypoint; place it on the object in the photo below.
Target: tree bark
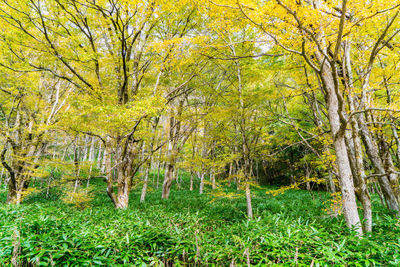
(201, 187)
(373, 154)
(335, 107)
(248, 201)
(396, 137)
(170, 164)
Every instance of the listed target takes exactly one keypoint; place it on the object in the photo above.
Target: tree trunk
(396, 137)
(170, 164)
(145, 185)
(373, 154)
(12, 193)
(91, 150)
(335, 109)
(248, 177)
(332, 186)
(1, 176)
(120, 200)
(248, 201)
(361, 190)
(213, 182)
(191, 181)
(356, 153)
(99, 158)
(389, 167)
(201, 187)
(168, 178)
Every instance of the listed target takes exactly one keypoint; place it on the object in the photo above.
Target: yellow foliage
(334, 205)
(28, 192)
(80, 198)
(282, 189)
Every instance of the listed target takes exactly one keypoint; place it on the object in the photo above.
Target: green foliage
(287, 230)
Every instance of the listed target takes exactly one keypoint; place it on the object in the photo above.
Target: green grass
(189, 229)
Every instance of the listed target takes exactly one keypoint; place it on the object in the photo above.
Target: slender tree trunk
(332, 186)
(77, 166)
(390, 168)
(335, 108)
(86, 149)
(107, 159)
(248, 201)
(355, 156)
(230, 173)
(158, 174)
(191, 181)
(170, 163)
(356, 153)
(237, 179)
(373, 154)
(100, 157)
(177, 177)
(213, 182)
(89, 176)
(91, 150)
(145, 184)
(396, 137)
(2, 176)
(204, 156)
(380, 194)
(201, 187)
(49, 185)
(248, 177)
(257, 173)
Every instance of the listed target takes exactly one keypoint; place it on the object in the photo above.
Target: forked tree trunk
(122, 197)
(172, 151)
(124, 174)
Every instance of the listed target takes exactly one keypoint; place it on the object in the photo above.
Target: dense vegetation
(290, 229)
(195, 132)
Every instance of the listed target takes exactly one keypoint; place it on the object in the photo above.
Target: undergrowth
(191, 229)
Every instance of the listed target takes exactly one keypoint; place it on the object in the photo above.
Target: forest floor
(191, 229)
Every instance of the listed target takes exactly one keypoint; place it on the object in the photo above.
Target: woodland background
(199, 132)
